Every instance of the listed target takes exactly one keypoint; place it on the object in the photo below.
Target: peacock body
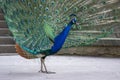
(40, 25)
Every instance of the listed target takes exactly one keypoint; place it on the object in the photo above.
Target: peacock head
(73, 18)
(73, 21)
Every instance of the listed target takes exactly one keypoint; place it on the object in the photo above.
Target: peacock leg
(41, 69)
(43, 61)
(46, 71)
(43, 66)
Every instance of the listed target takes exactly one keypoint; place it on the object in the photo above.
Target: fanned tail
(35, 23)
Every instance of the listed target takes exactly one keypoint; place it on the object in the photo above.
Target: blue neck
(70, 24)
(73, 21)
(60, 39)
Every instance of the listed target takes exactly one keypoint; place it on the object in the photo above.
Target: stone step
(108, 42)
(8, 54)
(5, 32)
(6, 40)
(99, 51)
(3, 24)
(0, 10)
(1, 16)
(7, 49)
(115, 34)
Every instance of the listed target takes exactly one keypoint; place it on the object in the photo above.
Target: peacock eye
(35, 1)
(43, 0)
(65, 9)
(46, 9)
(52, 3)
(29, 4)
(57, 12)
(35, 8)
(23, 0)
(103, 2)
(75, 9)
(40, 6)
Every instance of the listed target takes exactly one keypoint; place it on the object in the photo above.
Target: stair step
(5, 32)
(3, 24)
(1, 16)
(7, 49)
(115, 34)
(8, 54)
(0, 10)
(108, 42)
(6, 40)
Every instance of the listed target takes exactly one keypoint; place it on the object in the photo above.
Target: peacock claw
(51, 72)
(47, 72)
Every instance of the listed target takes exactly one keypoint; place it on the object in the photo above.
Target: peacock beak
(77, 23)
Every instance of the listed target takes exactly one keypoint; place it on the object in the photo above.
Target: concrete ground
(66, 68)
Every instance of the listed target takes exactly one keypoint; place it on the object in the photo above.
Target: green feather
(35, 23)
(49, 31)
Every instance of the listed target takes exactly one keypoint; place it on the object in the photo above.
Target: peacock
(42, 27)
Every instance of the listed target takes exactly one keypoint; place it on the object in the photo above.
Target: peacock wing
(27, 21)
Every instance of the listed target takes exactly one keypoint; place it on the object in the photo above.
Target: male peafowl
(42, 27)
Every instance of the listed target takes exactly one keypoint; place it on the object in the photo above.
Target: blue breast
(60, 39)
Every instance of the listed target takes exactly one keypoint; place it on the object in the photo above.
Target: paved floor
(66, 68)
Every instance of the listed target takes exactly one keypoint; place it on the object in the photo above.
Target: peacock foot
(47, 72)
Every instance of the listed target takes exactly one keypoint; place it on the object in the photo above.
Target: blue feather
(60, 39)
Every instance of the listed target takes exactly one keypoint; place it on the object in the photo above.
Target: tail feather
(24, 54)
